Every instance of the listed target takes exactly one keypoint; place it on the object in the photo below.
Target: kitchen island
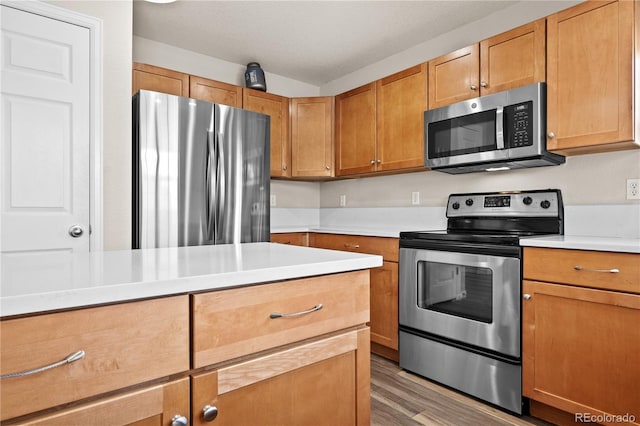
(237, 333)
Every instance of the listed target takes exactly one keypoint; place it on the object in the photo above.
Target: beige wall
(584, 179)
(117, 21)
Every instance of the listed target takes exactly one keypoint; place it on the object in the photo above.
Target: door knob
(76, 231)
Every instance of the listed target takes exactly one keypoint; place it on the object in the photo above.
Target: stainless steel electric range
(460, 292)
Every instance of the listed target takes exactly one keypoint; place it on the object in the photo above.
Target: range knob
(455, 205)
(545, 204)
(527, 200)
(469, 202)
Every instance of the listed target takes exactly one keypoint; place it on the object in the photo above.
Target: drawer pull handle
(275, 315)
(352, 245)
(608, 271)
(71, 358)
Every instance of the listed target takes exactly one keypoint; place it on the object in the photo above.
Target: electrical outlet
(633, 189)
(343, 200)
(273, 200)
(415, 198)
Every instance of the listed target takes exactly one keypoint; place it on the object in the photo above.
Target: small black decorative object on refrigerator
(460, 292)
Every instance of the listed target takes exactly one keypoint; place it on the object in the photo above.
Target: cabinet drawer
(293, 238)
(232, 323)
(124, 345)
(583, 268)
(383, 246)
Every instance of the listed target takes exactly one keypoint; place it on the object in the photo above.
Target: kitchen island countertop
(33, 283)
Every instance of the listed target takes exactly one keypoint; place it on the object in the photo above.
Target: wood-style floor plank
(402, 398)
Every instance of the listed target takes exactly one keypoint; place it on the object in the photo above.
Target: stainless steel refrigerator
(200, 173)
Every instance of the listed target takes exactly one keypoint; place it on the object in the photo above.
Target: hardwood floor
(402, 398)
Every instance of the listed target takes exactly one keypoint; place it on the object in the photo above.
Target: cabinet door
(325, 382)
(312, 137)
(454, 77)
(148, 77)
(514, 58)
(580, 349)
(590, 51)
(401, 102)
(154, 406)
(356, 131)
(276, 107)
(215, 91)
(384, 305)
(293, 238)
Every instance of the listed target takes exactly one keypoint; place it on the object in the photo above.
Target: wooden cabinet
(379, 126)
(292, 352)
(590, 80)
(317, 383)
(511, 59)
(115, 340)
(149, 77)
(293, 238)
(401, 102)
(276, 107)
(312, 137)
(580, 342)
(151, 406)
(356, 131)
(251, 319)
(383, 285)
(214, 91)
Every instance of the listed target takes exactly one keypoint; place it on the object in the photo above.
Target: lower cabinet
(315, 383)
(580, 336)
(160, 405)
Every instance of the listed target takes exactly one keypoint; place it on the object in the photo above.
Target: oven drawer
(231, 323)
(124, 345)
(383, 246)
(583, 268)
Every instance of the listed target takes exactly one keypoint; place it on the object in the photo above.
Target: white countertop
(37, 283)
(624, 245)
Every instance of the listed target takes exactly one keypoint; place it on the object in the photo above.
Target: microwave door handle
(499, 129)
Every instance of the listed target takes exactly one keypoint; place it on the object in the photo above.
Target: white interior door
(45, 146)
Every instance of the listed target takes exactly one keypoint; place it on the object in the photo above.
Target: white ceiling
(309, 41)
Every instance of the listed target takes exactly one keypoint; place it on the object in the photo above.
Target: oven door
(462, 297)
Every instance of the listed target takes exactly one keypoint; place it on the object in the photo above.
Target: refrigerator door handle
(210, 185)
(220, 186)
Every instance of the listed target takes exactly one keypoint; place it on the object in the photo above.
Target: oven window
(463, 291)
(462, 135)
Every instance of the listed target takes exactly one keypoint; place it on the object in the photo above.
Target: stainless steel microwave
(506, 130)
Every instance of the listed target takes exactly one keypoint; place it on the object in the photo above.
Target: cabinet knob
(372, 162)
(327, 167)
(378, 161)
(179, 420)
(526, 296)
(483, 84)
(551, 135)
(474, 87)
(209, 413)
(284, 168)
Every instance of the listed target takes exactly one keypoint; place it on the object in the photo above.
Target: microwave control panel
(518, 124)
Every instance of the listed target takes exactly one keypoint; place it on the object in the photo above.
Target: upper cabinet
(312, 137)
(276, 107)
(511, 59)
(401, 102)
(590, 81)
(356, 131)
(215, 91)
(148, 77)
(379, 126)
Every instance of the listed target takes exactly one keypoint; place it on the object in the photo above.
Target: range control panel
(512, 203)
